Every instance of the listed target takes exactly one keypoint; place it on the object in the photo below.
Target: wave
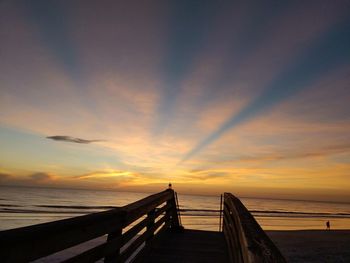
(76, 207)
(265, 213)
(268, 212)
(199, 210)
(8, 205)
(52, 209)
(295, 212)
(30, 211)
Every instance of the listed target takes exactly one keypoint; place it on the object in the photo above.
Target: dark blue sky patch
(244, 38)
(189, 25)
(325, 54)
(53, 26)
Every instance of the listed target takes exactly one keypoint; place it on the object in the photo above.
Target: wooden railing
(246, 241)
(150, 216)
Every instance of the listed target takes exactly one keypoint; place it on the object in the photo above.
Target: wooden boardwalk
(188, 246)
(148, 230)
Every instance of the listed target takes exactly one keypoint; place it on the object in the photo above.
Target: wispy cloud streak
(71, 139)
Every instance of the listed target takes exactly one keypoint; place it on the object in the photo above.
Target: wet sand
(313, 245)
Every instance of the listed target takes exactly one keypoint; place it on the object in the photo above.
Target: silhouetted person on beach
(328, 224)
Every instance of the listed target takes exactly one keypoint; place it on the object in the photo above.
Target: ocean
(24, 206)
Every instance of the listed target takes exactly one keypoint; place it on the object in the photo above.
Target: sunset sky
(246, 97)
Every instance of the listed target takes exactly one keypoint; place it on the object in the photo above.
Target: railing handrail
(33, 242)
(246, 240)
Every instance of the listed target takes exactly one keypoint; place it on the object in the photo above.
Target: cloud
(36, 178)
(71, 139)
(99, 178)
(4, 177)
(107, 174)
(40, 176)
(323, 152)
(199, 174)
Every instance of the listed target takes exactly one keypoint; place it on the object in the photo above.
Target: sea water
(24, 206)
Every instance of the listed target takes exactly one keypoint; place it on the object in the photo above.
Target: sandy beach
(302, 246)
(313, 245)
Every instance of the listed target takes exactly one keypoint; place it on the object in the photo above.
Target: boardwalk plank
(188, 246)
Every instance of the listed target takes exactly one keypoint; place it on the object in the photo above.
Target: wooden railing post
(220, 216)
(174, 220)
(151, 217)
(114, 257)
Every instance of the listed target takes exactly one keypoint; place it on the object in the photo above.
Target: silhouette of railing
(246, 240)
(134, 233)
(154, 213)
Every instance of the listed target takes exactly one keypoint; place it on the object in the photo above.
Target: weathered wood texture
(246, 240)
(188, 246)
(33, 242)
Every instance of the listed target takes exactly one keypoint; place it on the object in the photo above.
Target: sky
(248, 97)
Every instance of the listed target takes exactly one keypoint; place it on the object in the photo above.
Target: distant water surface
(23, 206)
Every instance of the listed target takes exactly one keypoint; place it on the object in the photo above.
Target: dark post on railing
(155, 213)
(220, 214)
(246, 240)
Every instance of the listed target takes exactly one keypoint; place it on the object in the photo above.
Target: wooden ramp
(148, 230)
(188, 246)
